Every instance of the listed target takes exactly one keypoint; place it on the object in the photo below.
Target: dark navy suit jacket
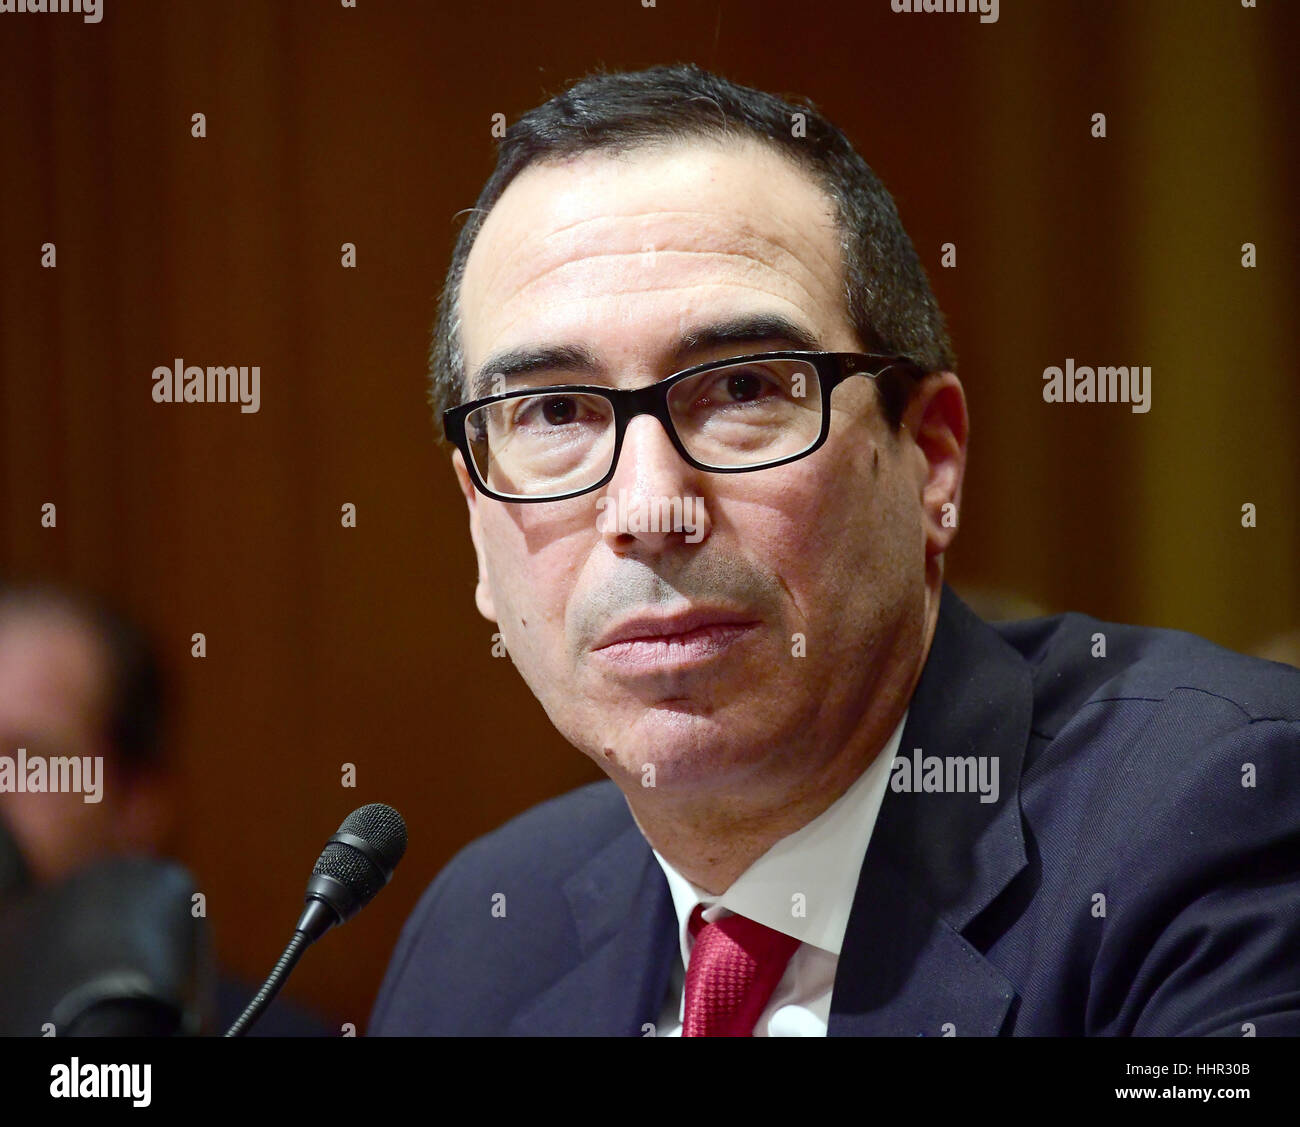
(1121, 777)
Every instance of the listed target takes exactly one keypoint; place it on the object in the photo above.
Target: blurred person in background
(78, 679)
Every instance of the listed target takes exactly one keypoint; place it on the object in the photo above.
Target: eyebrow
(749, 329)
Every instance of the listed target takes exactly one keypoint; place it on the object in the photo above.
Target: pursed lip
(647, 627)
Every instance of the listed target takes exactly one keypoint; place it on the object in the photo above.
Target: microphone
(357, 862)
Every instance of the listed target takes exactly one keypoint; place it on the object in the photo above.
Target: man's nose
(655, 497)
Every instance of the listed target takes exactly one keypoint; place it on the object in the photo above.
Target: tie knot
(697, 920)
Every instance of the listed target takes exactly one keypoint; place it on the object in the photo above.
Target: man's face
(819, 566)
(52, 703)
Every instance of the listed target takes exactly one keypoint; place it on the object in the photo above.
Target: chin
(673, 758)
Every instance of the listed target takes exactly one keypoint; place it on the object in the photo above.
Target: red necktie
(735, 965)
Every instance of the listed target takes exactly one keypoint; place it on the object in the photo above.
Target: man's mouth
(656, 642)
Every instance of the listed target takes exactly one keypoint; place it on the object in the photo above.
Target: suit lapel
(936, 861)
(904, 972)
(627, 941)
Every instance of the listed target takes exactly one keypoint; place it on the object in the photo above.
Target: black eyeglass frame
(832, 368)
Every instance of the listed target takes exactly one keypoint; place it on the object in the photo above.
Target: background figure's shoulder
(281, 1019)
(1078, 659)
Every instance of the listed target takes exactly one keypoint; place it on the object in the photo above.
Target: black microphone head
(356, 863)
(358, 860)
(382, 827)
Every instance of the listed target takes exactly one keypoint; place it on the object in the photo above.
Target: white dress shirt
(821, 862)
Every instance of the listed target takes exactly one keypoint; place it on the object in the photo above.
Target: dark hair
(887, 294)
(134, 692)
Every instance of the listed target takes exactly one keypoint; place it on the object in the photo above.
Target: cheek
(531, 577)
(838, 508)
(835, 534)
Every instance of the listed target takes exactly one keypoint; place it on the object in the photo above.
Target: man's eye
(553, 411)
(559, 410)
(742, 386)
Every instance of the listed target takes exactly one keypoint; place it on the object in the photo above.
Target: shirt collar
(822, 861)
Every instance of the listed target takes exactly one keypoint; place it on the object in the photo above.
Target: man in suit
(712, 448)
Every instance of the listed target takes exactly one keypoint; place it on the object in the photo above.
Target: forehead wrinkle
(744, 230)
(752, 266)
(671, 343)
(752, 251)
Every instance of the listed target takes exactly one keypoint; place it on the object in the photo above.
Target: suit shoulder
(571, 826)
(1078, 660)
(457, 966)
(537, 849)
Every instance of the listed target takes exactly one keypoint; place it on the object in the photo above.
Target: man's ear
(483, 591)
(937, 422)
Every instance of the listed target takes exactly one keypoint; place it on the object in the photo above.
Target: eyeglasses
(728, 416)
